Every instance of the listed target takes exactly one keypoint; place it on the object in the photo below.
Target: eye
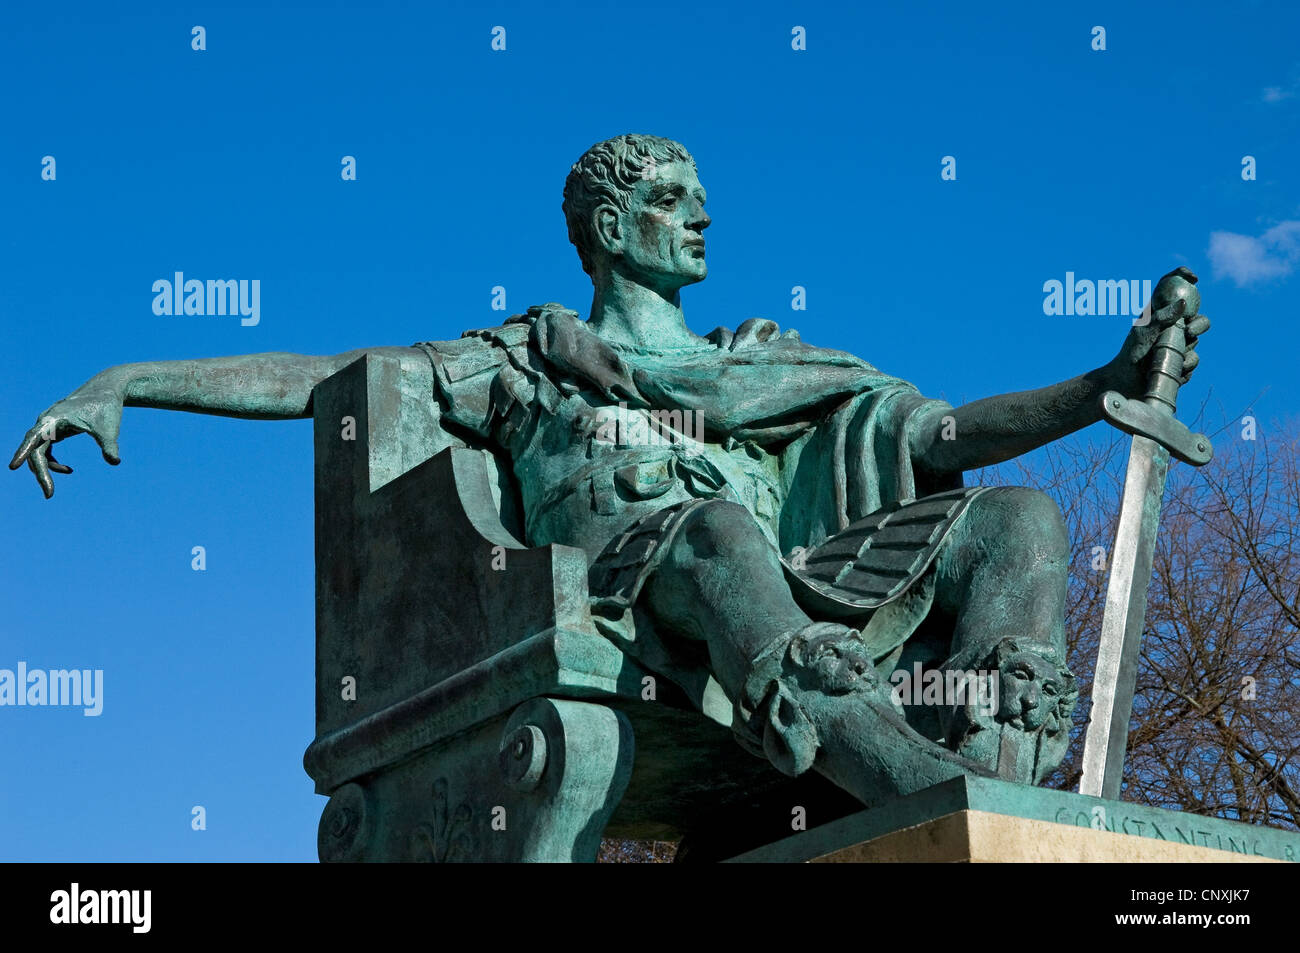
(668, 201)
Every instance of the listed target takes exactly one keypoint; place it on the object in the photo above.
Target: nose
(699, 218)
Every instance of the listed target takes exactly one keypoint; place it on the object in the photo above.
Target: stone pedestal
(976, 820)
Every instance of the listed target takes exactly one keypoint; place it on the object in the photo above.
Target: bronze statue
(782, 518)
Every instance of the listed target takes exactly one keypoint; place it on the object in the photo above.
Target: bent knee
(722, 528)
(1020, 517)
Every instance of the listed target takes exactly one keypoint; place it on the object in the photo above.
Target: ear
(789, 738)
(608, 227)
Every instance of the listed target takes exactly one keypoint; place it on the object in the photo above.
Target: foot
(816, 702)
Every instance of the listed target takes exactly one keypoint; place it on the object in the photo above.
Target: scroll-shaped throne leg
(568, 764)
(537, 785)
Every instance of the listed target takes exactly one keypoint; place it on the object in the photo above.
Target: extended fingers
(34, 436)
(37, 464)
(55, 465)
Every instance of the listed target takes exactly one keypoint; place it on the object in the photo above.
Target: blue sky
(822, 168)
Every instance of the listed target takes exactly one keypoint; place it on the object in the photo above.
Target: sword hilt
(1167, 356)
(1153, 416)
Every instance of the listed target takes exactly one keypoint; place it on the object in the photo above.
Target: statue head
(634, 205)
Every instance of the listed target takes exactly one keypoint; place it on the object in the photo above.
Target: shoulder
(761, 340)
(481, 350)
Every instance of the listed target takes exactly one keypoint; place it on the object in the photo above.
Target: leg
(1002, 580)
(1004, 572)
(721, 583)
(806, 692)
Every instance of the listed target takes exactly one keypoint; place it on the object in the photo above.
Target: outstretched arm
(271, 386)
(989, 431)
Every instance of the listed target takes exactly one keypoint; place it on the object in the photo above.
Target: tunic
(610, 447)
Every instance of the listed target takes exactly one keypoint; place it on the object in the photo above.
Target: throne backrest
(411, 543)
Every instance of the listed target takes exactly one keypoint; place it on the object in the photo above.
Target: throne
(467, 709)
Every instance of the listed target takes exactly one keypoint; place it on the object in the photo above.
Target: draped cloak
(813, 442)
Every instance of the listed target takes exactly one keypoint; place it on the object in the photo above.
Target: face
(660, 237)
(1030, 690)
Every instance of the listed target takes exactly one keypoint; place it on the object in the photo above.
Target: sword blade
(1123, 619)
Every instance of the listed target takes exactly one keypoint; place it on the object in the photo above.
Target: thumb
(108, 446)
(1169, 314)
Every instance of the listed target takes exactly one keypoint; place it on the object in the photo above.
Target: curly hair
(606, 174)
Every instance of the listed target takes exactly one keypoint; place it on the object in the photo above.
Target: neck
(625, 312)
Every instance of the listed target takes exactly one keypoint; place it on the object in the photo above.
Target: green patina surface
(772, 530)
(1041, 804)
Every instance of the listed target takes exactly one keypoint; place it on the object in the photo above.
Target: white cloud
(1275, 94)
(1249, 260)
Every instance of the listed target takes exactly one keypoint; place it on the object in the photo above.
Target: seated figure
(783, 520)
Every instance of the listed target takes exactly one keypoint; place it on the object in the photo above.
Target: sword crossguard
(1156, 422)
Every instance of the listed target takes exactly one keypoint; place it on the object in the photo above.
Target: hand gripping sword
(1157, 435)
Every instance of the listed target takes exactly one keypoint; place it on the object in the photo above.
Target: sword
(1157, 435)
